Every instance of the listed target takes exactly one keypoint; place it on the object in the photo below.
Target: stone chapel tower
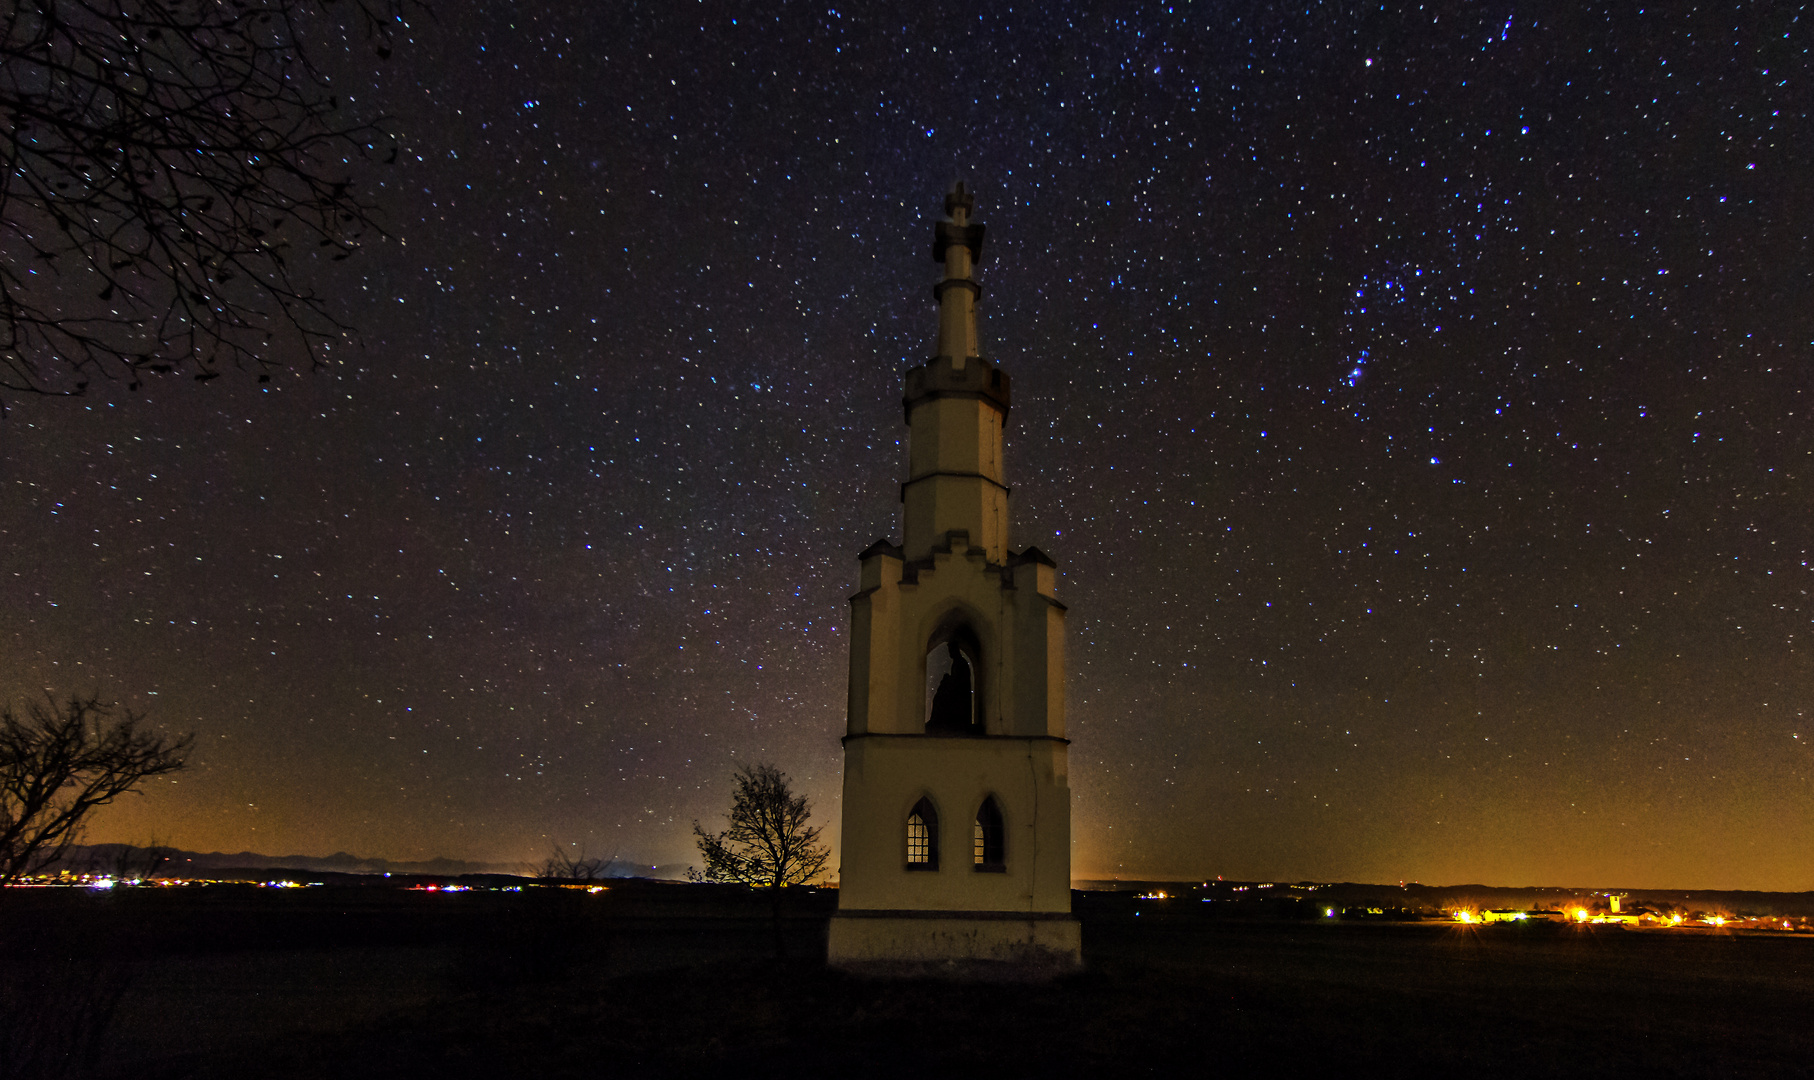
(957, 809)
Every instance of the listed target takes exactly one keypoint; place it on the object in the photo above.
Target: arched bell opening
(990, 838)
(922, 836)
(954, 673)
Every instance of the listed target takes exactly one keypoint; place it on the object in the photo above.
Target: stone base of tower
(1000, 944)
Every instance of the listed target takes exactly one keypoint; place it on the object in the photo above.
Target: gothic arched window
(990, 836)
(922, 836)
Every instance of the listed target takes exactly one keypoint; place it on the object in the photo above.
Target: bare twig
(171, 166)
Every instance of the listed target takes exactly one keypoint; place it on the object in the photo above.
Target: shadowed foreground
(675, 980)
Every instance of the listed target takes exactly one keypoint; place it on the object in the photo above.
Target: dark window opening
(990, 837)
(951, 676)
(922, 837)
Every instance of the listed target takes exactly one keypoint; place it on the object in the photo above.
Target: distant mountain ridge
(103, 857)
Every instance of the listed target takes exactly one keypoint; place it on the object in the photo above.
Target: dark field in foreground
(678, 980)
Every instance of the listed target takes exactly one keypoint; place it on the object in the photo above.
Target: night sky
(1416, 403)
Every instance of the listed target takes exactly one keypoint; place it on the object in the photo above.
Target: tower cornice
(943, 376)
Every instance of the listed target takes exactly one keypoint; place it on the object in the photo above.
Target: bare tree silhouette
(769, 845)
(134, 862)
(173, 169)
(57, 764)
(563, 866)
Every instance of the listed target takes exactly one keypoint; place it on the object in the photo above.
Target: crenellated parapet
(905, 608)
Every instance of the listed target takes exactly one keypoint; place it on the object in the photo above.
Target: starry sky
(1416, 403)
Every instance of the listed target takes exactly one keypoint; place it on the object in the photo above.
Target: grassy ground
(671, 981)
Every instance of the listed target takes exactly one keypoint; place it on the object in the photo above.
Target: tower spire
(956, 403)
(957, 243)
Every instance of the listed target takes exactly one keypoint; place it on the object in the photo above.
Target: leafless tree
(563, 866)
(133, 862)
(769, 844)
(172, 170)
(57, 764)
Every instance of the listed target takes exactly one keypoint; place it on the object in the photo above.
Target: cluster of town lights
(1581, 915)
(104, 882)
(1616, 909)
(1577, 914)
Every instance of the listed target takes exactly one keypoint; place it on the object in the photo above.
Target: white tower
(957, 809)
